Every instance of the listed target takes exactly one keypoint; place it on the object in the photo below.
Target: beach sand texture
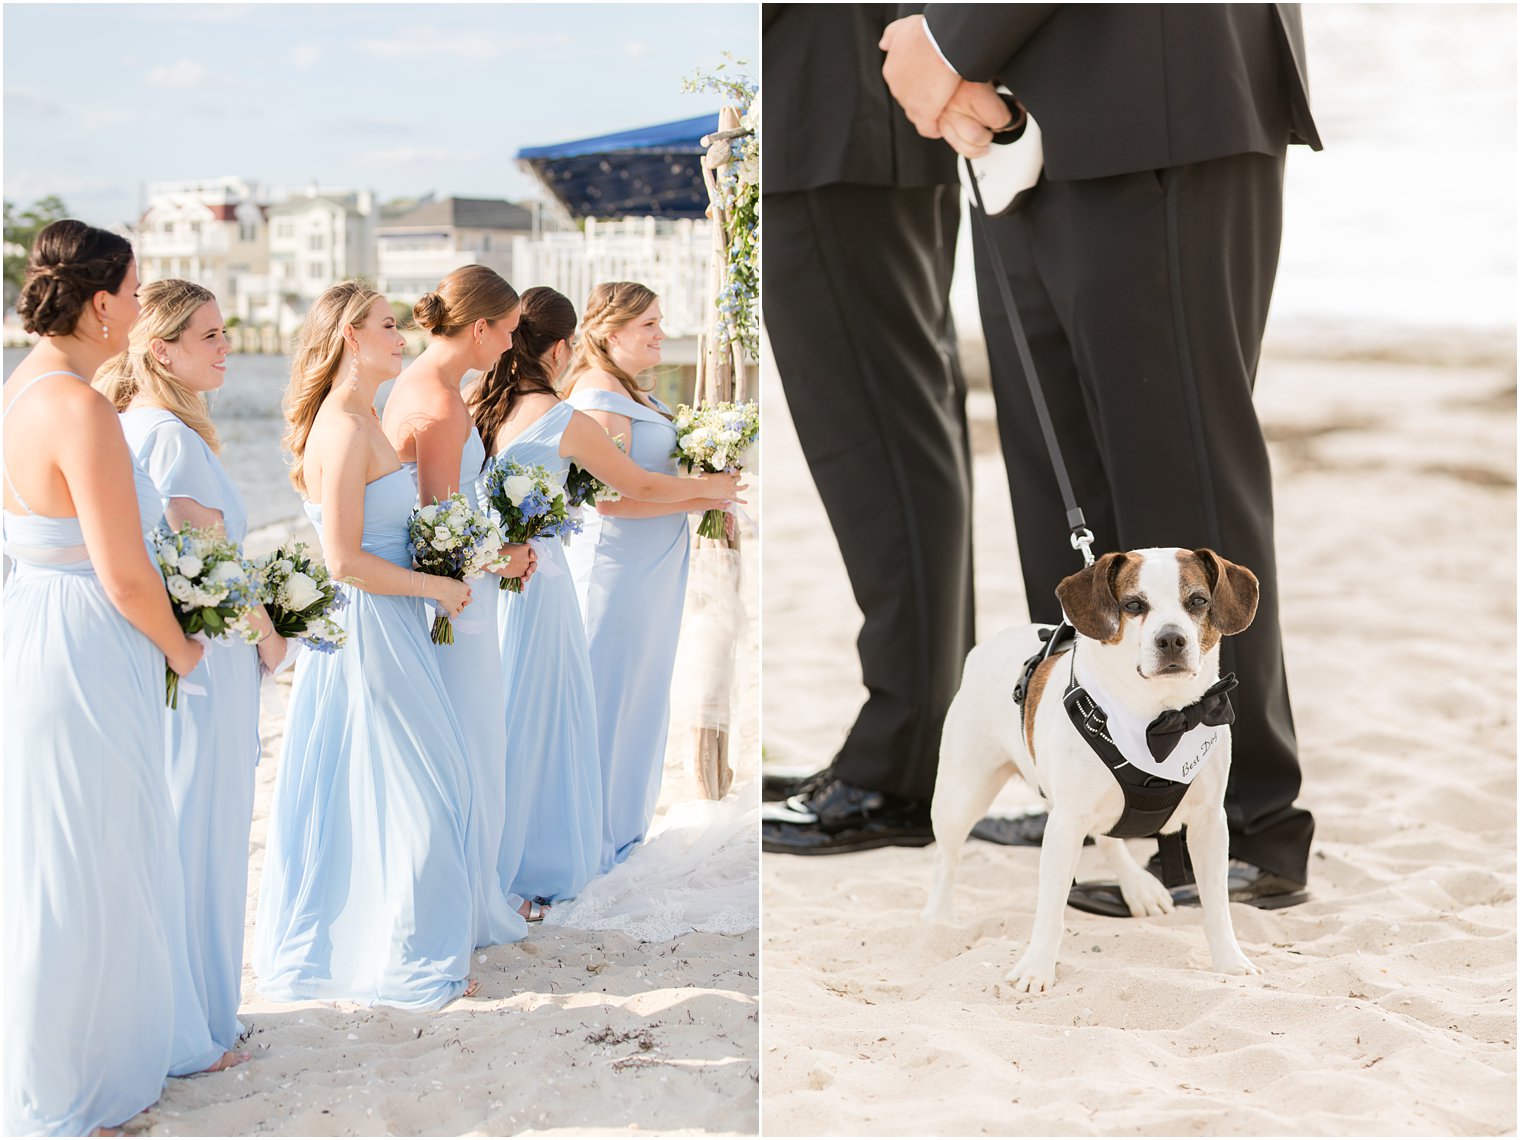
(571, 1033)
(1387, 1005)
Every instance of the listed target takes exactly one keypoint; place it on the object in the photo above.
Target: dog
(1148, 626)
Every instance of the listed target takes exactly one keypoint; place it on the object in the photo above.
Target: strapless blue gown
(552, 838)
(213, 739)
(366, 892)
(630, 580)
(471, 671)
(97, 1005)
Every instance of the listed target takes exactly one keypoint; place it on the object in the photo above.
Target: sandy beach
(572, 1032)
(1387, 1006)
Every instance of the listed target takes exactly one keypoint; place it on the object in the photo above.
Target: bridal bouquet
(531, 503)
(453, 539)
(213, 590)
(583, 489)
(301, 598)
(714, 437)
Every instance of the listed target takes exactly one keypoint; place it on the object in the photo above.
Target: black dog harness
(1149, 800)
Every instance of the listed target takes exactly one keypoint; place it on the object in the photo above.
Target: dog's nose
(1171, 641)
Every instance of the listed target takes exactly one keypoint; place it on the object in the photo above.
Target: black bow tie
(1163, 733)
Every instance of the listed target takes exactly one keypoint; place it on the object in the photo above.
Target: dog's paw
(1030, 977)
(1235, 963)
(1144, 895)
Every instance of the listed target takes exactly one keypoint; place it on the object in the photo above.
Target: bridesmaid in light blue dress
(366, 894)
(92, 1023)
(630, 562)
(178, 351)
(469, 319)
(552, 756)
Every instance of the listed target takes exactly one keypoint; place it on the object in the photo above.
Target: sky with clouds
(402, 99)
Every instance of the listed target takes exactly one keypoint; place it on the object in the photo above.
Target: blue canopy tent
(650, 171)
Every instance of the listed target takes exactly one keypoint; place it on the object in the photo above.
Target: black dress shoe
(1248, 883)
(1027, 830)
(776, 788)
(837, 817)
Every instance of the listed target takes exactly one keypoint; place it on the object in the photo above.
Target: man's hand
(971, 116)
(916, 75)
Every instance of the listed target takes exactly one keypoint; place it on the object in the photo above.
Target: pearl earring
(105, 332)
(353, 374)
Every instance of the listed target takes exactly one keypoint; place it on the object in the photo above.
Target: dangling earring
(353, 375)
(105, 332)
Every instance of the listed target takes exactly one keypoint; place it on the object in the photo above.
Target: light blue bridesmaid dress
(213, 738)
(552, 839)
(630, 580)
(471, 670)
(95, 1009)
(366, 893)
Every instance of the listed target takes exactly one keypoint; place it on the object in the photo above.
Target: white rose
(180, 587)
(517, 488)
(429, 512)
(285, 566)
(191, 566)
(301, 592)
(225, 574)
(720, 458)
(168, 555)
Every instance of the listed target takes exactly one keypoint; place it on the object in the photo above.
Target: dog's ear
(1235, 591)
(1088, 598)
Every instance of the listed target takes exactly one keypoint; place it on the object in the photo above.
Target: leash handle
(1081, 537)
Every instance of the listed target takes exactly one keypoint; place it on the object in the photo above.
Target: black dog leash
(1170, 847)
(1081, 537)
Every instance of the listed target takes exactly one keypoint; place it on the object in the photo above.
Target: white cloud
(185, 73)
(461, 45)
(411, 155)
(305, 56)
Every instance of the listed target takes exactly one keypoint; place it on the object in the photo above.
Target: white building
(417, 249)
(212, 232)
(670, 256)
(316, 239)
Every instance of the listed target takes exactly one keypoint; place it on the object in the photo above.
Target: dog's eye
(1197, 602)
(1135, 606)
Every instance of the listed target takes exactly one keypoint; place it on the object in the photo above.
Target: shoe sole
(849, 846)
(1108, 902)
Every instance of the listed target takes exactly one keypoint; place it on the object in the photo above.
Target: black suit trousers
(1144, 297)
(856, 282)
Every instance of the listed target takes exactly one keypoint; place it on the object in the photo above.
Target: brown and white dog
(1148, 623)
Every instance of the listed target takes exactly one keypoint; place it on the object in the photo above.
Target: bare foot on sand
(227, 1061)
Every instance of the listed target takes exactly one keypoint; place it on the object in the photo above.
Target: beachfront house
(418, 248)
(210, 231)
(316, 239)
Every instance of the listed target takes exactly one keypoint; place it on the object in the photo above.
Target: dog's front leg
(1036, 971)
(1209, 843)
(1142, 891)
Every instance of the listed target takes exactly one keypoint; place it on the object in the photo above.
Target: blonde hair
(468, 294)
(167, 309)
(314, 367)
(612, 305)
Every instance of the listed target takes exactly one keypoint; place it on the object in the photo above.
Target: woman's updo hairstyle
(548, 317)
(468, 294)
(612, 305)
(70, 263)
